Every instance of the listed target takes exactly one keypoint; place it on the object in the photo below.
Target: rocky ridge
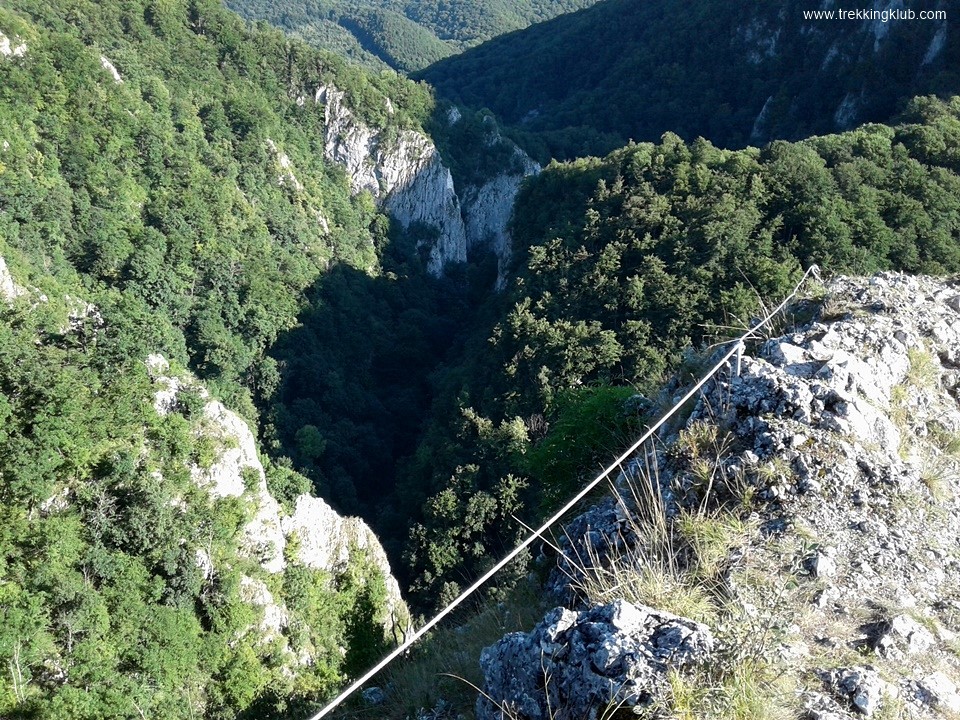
(324, 540)
(408, 178)
(838, 449)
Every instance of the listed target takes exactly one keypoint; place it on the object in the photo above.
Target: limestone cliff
(404, 172)
(322, 539)
(270, 539)
(487, 210)
(12, 47)
(9, 290)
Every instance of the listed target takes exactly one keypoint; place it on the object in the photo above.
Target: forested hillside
(623, 264)
(163, 192)
(191, 183)
(403, 34)
(733, 72)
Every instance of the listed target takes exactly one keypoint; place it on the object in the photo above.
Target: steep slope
(183, 171)
(811, 501)
(166, 165)
(731, 72)
(169, 156)
(147, 566)
(621, 263)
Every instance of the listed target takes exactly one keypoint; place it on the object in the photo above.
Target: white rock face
(936, 45)
(487, 211)
(760, 124)
(348, 142)
(9, 290)
(942, 691)
(423, 192)
(406, 176)
(262, 537)
(12, 48)
(275, 617)
(285, 176)
(846, 114)
(325, 540)
(409, 180)
(108, 66)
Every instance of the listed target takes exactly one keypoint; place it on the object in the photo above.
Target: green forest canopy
(151, 214)
(406, 35)
(736, 73)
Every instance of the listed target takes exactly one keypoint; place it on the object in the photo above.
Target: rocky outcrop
(9, 289)
(287, 178)
(274, 620)
(859, 412)
(404, 172)
(573, 663)
(487, 210)
(324, 540)
(110, 68)
(237, 472)
(839, 444)
(12, 47)
(285, 175)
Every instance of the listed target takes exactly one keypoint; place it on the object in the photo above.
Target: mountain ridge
(732, 73)
(403, 35)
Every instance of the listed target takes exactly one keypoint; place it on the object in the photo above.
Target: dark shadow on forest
(358, 374)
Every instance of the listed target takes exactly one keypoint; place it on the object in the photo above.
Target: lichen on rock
(573, 664)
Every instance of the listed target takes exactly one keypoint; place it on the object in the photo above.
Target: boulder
(573, 665)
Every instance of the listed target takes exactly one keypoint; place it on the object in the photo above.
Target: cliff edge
(805, 513)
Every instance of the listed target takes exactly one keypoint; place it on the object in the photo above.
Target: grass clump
(939, 474)
(747, 689)
(924, 369)
(945, 440)
(709, 537)
(923, 374)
